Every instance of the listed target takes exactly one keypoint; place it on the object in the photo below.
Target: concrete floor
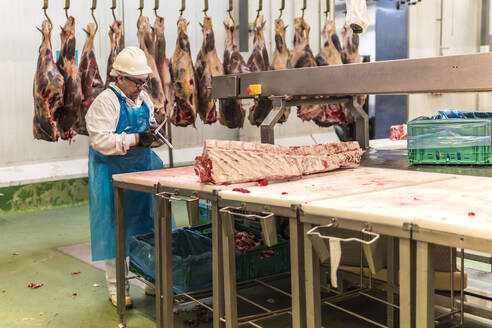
(30, 253)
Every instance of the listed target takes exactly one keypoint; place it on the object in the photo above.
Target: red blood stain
(325, 164)
(34, 285)
(263, 183)
(366, 184)
(76, 272)
(403, 204)
(471, 213)
(244, 191)
(379, 184)
(415, 198)
(226, 184)
(284, 193)
(192, 82)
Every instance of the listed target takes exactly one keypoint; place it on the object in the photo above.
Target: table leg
(167, 267)
(392, 278)
(312, 281)
(405, 283)
(297, 273)
(120, 252)
(159, 315)
(229, 270)
(425, 287)
(217, 267)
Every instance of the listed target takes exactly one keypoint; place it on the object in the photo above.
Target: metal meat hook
(45, 6)
(156, 7)
(206, 8)
(230, 9)
(141, 7)
(94, 5)
(113, 7)
(67, 6)
(282, 7)
(183, 7)
(260, 8)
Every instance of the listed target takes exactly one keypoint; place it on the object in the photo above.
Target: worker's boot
(128, 301)
(149, 291)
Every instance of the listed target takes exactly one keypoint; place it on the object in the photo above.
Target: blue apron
(138, 206)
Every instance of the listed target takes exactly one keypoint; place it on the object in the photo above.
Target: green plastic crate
(250, 265)
(454, 141)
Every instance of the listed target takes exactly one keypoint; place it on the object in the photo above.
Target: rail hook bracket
(303, 8)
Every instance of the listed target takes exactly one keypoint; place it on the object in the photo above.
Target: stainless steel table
(165, 184)
(283, 199)
(453, 212)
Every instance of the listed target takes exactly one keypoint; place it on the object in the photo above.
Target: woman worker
(119, 123)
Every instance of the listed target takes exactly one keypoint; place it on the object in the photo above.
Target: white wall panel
(19, 54)
(460, 35)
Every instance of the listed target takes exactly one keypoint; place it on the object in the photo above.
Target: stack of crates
(450, 141)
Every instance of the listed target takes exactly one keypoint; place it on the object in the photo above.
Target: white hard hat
(131, 61)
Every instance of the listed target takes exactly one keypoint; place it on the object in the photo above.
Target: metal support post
(229, 258)
(170, 138)
(297, 273)
(405, 283)
(217, 267)
(312, 280)
(425, 287)
(391, 281)
(119, 229)
(361, 122)
(163, 238)
(159, 314)
(268, 124)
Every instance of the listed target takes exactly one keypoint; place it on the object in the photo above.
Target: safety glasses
(138, 83)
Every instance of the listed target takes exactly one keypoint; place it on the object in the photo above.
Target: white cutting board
(458, 206)
(387, 144)
(329, 185)
(180, 177)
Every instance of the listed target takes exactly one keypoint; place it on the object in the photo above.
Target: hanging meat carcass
(184, 82)
(330, 55)
(258, 62)
(163, 66)
(207, 66)
(47, 90)
(68, 115)
(117, 41)
(154, 86)
(302, 56)
(281, 56)
(92, 84)
(231, 111)
(350, 53)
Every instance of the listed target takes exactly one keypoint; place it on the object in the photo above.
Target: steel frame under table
(164, 185)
